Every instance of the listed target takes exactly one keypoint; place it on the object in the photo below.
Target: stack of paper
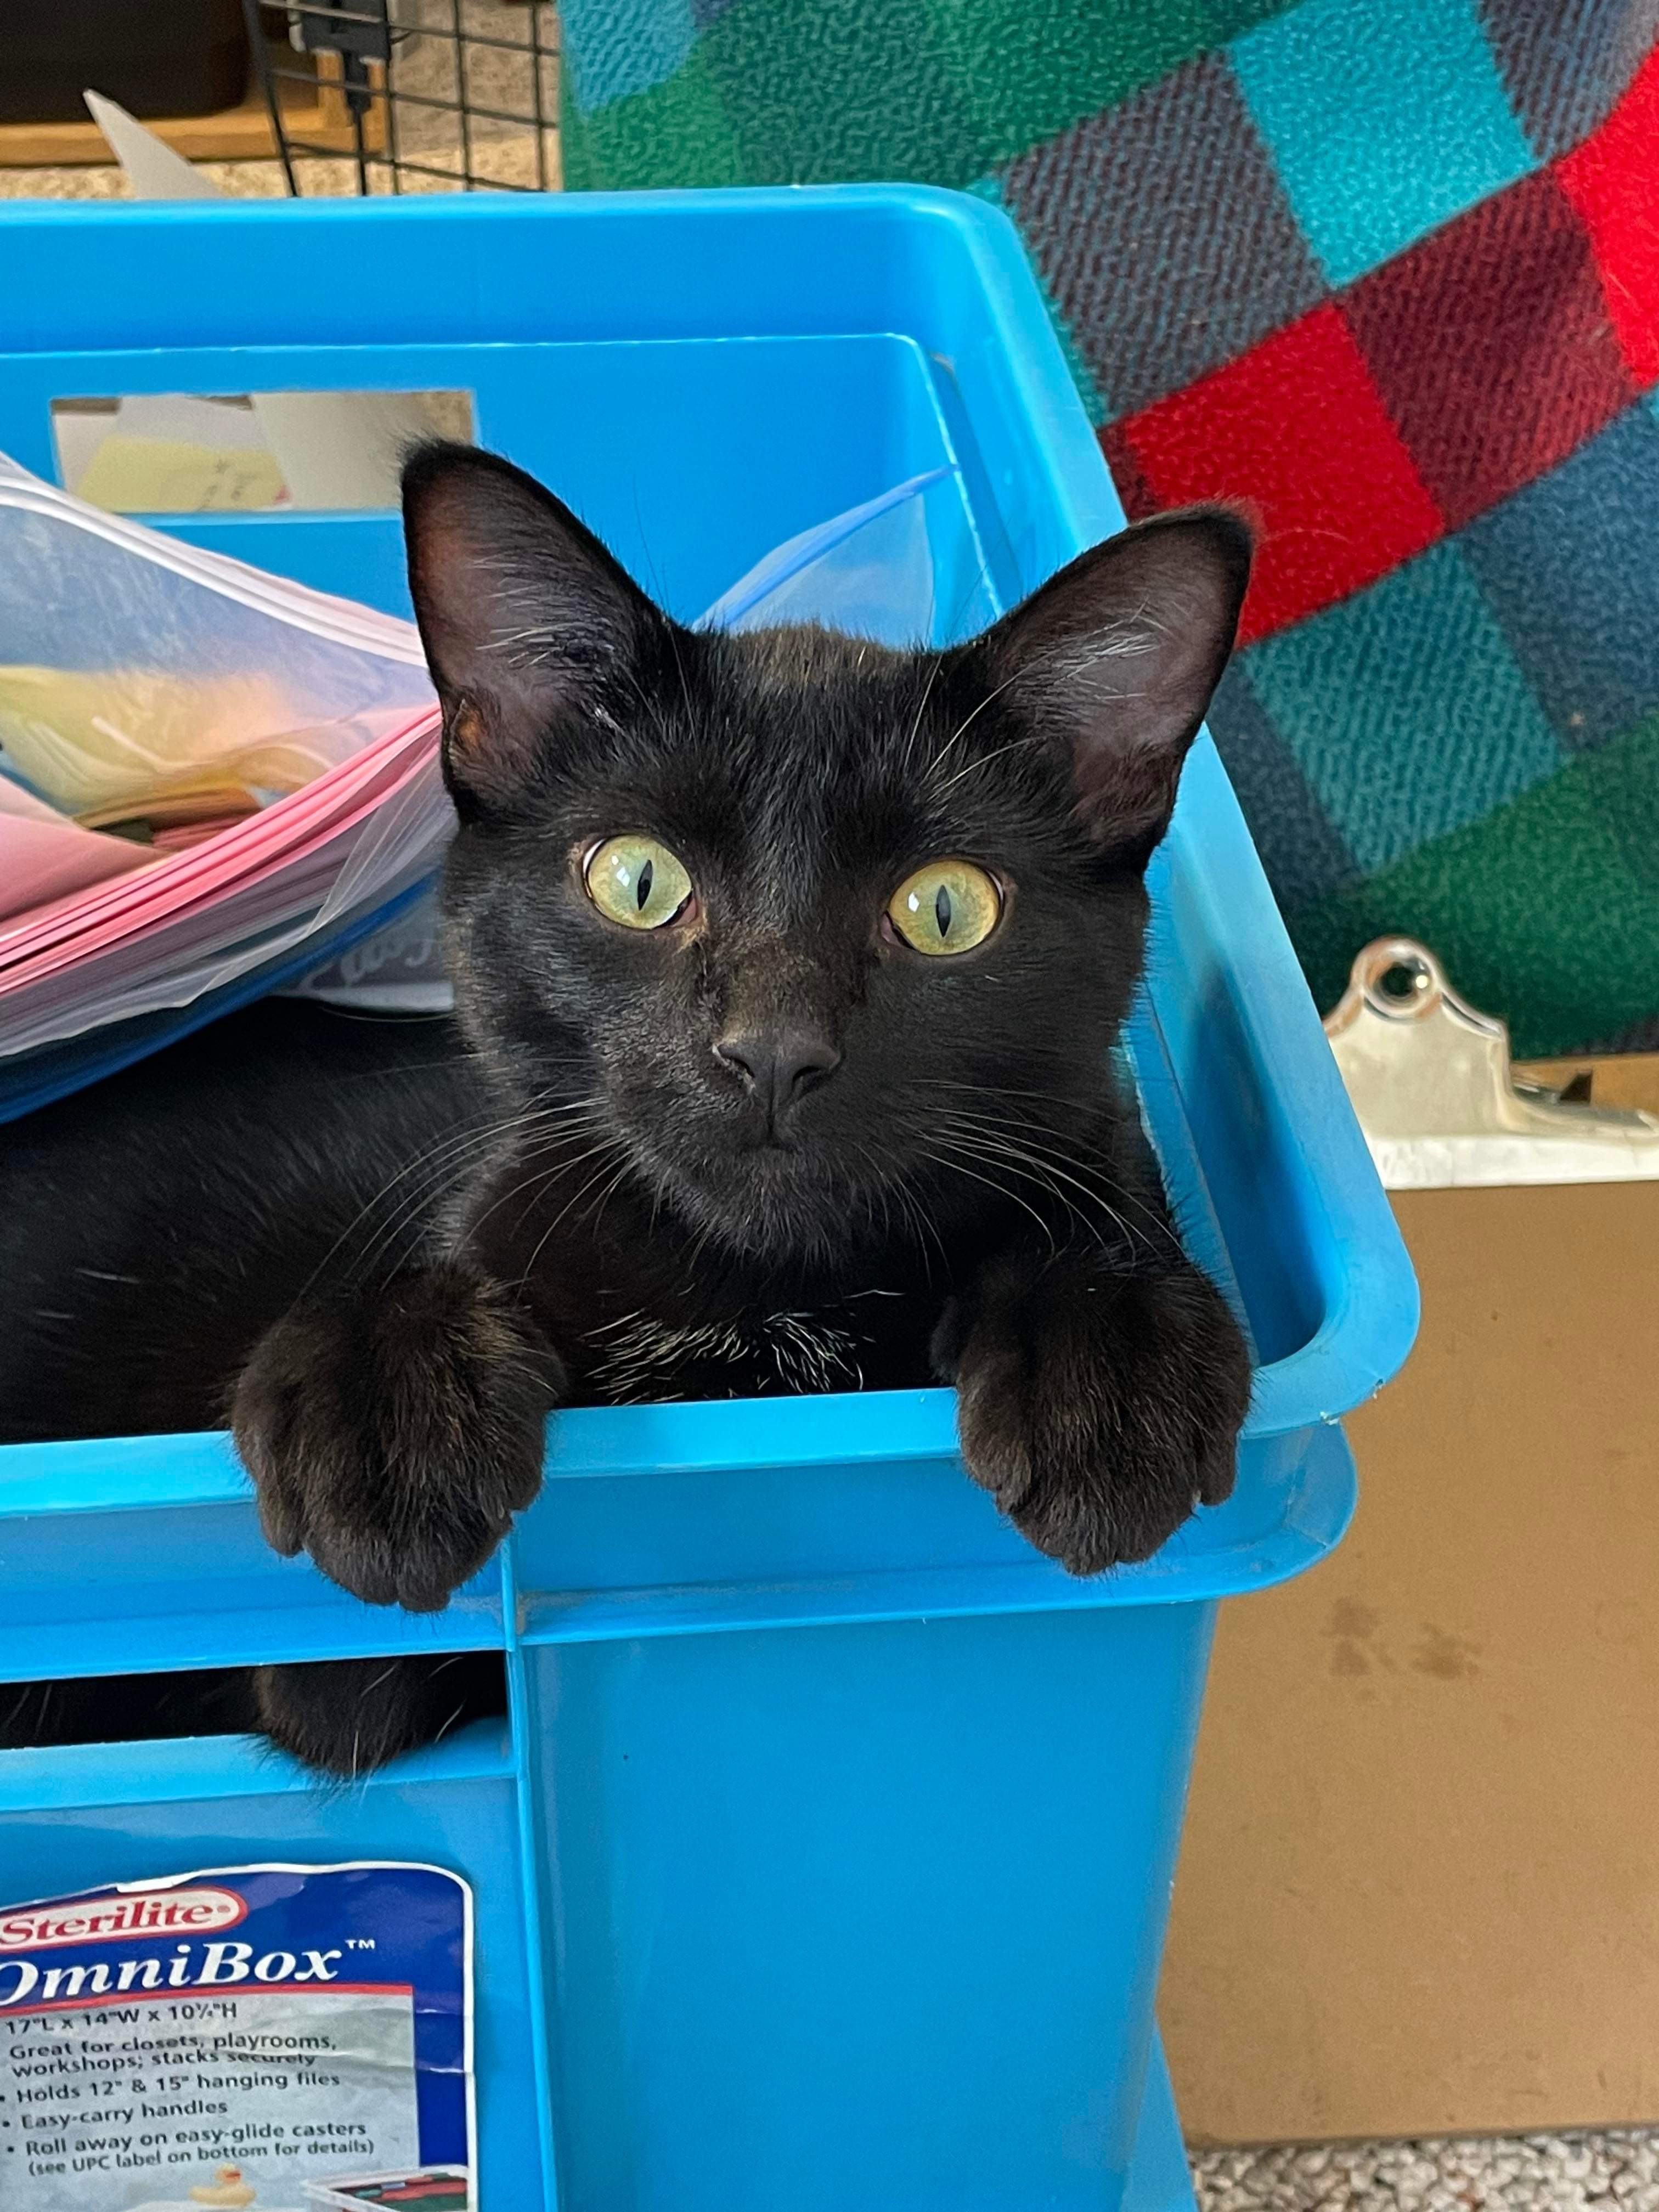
(206, 773)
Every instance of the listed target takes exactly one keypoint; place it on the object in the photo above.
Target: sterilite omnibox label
(276, 2038)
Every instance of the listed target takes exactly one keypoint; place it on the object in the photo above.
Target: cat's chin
(777, 1205)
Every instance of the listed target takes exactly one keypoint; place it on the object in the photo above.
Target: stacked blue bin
(825, 1862)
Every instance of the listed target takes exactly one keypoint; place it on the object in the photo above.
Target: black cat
(790, 969)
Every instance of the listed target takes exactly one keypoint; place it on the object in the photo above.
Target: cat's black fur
(151, 1229)
(766, 1148)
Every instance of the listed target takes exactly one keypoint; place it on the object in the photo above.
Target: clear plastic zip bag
(266, 754)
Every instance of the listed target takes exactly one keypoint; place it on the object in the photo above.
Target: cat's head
(827, 936)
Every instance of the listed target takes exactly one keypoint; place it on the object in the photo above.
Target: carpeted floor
(1565, 2173)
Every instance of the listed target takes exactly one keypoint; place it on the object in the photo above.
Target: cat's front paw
(394, 1436)
(1100, 1412)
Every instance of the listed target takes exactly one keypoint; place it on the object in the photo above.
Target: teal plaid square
(1405, 708)
(1384, 121)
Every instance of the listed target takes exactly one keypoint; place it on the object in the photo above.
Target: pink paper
(283, 895)
(77, 924)
(46, 859)
(224, 869)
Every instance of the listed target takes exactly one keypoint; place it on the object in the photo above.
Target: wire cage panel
(458, 96)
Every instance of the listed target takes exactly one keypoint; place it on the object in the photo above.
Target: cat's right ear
(1115, 659)
(529, 623)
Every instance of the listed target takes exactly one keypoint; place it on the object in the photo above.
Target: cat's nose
(779, 1065)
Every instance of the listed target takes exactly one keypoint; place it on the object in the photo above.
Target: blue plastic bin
(825, 1862)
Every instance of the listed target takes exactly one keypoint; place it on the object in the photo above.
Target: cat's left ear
(1116, 657)
(531, 627)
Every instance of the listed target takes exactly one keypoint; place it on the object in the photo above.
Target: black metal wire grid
(396, 124)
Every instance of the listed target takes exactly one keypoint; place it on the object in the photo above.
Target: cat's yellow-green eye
(949, 906)
(637, 882)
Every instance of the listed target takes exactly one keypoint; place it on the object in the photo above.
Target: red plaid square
(1613, 180)
(1490, 341)
(1296, 429)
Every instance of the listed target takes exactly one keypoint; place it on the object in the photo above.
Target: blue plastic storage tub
(825, 1862)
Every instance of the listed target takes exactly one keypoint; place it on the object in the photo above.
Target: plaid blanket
(1388, 271)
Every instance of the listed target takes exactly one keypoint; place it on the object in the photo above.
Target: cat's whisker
(477, 1136)
(997, 1144)
(908, 756)
(574, 1132)
(1054, 1168)
(962, 728)
(995, 1133)
(438, 1172)
(605, 1145)
(530, 1187)
(443, 1164)
(595, 1212)
(1089, 1170)
(975, 1145)
(915, 1210)
(1062, 656)
(951, 1149)
(894, 1188)
(1014, 745)
(422, 1208)
(672, 630)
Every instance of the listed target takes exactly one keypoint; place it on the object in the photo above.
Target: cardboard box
(1419, 1891)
